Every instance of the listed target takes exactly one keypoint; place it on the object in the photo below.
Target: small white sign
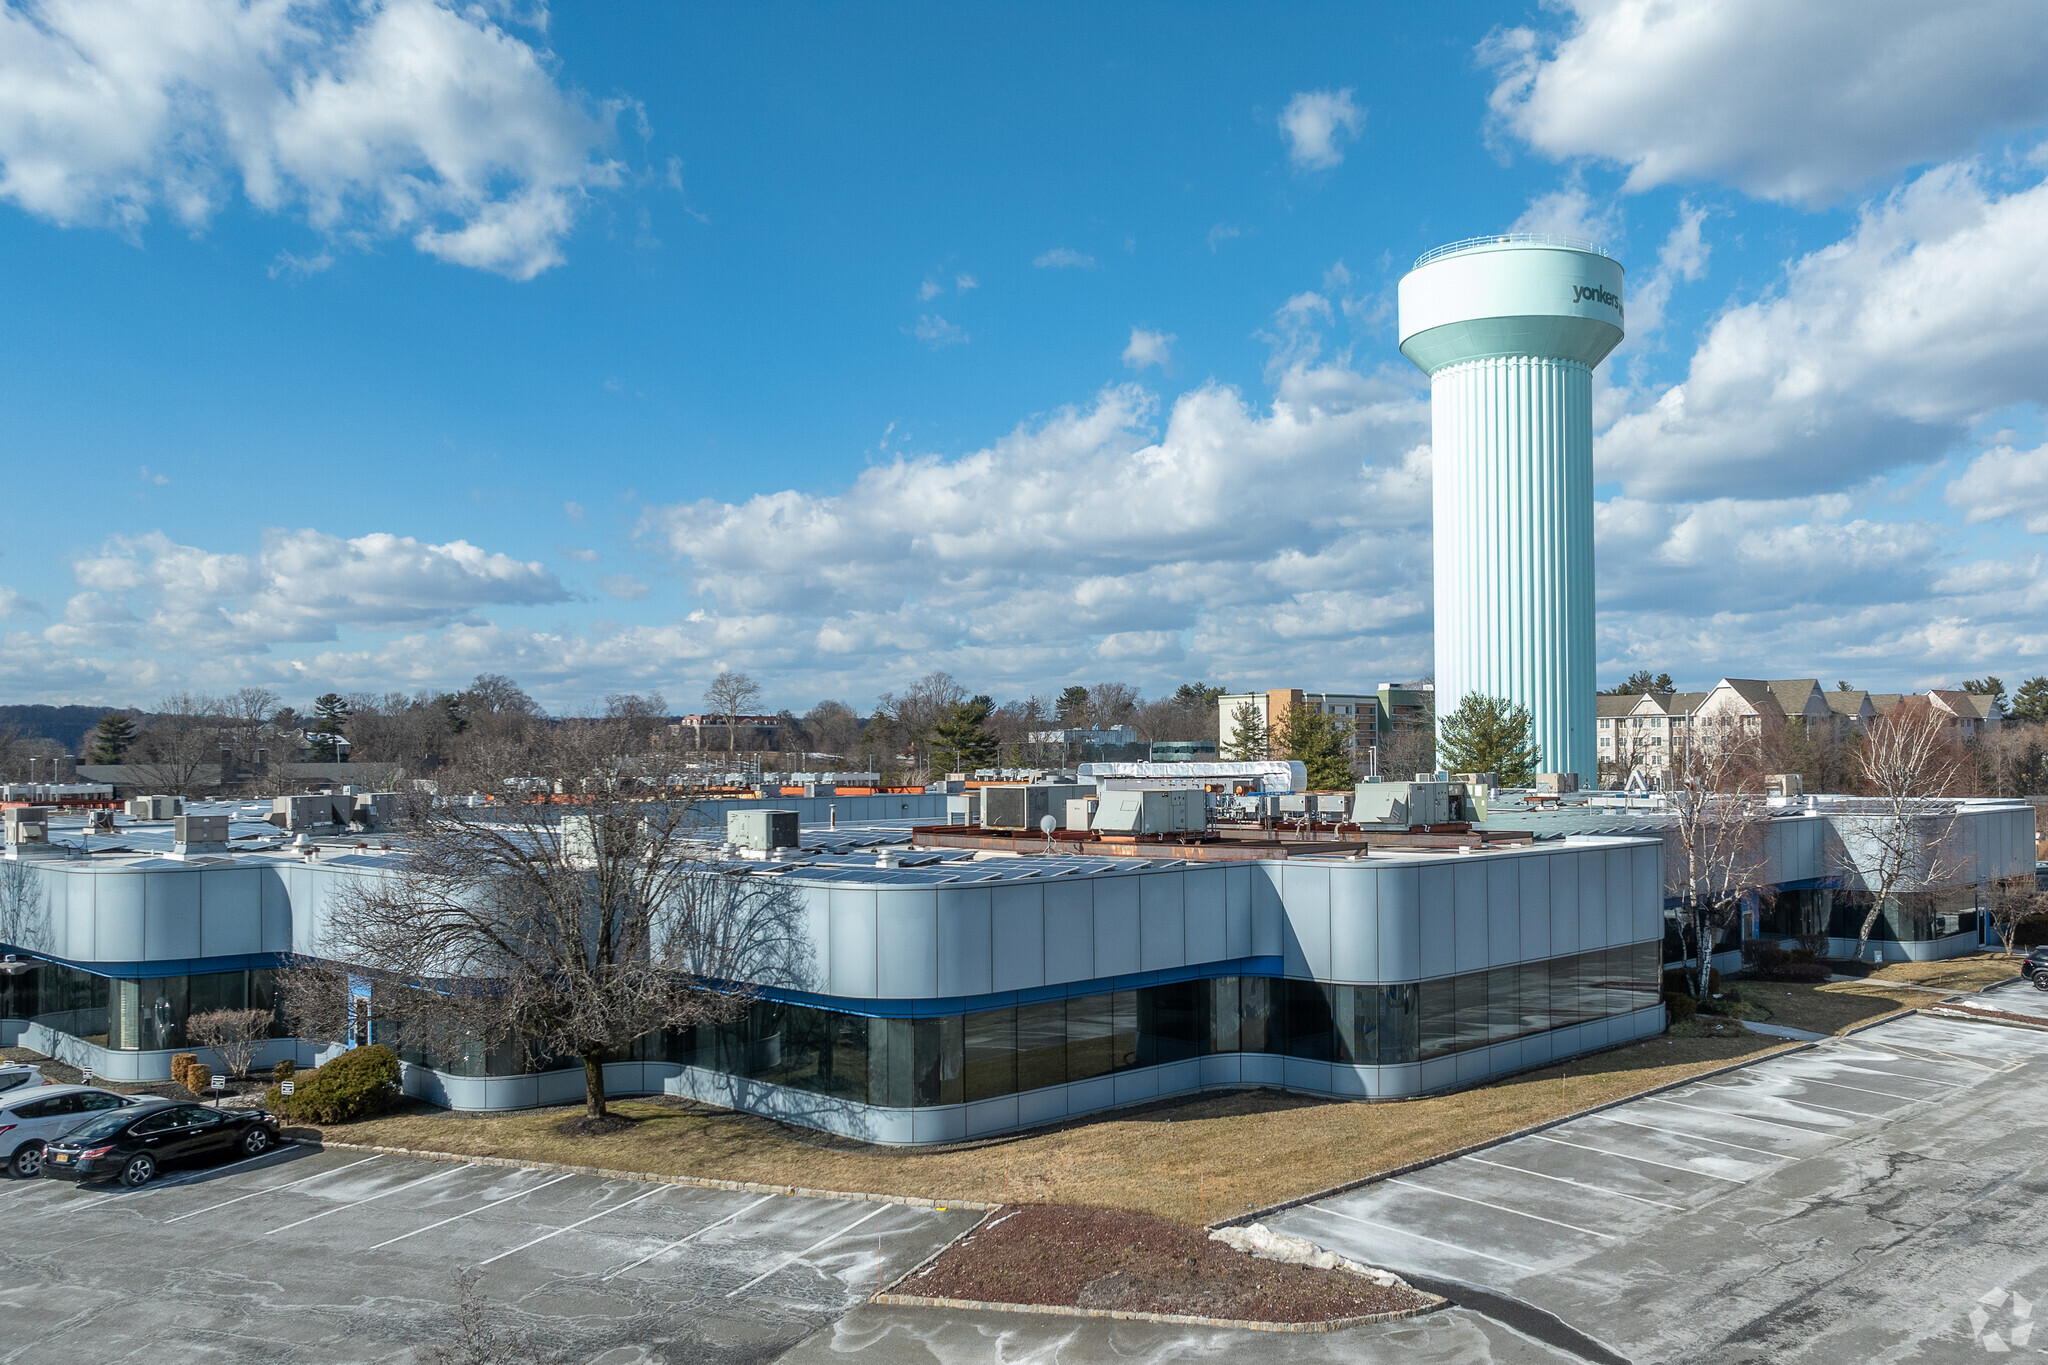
(220, 1082)
(86, 1076)
(288, 1087)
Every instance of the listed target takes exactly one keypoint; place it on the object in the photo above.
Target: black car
(132, 1146)
(2034, 967)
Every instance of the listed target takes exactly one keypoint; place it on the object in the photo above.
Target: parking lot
(346, 1256)
(1872, 1198)
(1856, 1201)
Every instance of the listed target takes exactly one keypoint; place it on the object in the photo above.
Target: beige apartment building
(1640, 733)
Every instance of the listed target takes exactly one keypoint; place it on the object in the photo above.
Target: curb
(1123, 1315)
(654, 1178)
(1998, 1017)
(1423, 1163)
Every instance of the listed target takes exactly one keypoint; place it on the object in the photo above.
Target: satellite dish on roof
(1048, 824)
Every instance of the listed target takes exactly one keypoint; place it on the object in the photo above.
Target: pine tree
(1248, 738)
(1072, 706)
(1490, 735)
(1316, 741)
(964, 733)
(2031, 701)
(111, 738)
(330, 716)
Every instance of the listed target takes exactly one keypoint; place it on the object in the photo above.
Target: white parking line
(1802, 1102)
(175, 1182)
(1738, 1115)
(1916, 1052)
(1421, 1237)
(273, 1189)
(344, 1208)
(1624, 1156)
(794, 1257)
(1702, 1137)
(691, 1238)
(478, 1209)
(1501, 1208)
(658, 1189)
(1567, 1180)
(1859, 1089)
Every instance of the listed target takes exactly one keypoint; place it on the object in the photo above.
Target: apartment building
(1368, 717)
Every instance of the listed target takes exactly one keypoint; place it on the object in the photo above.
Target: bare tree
(1632, 750)
(183, 739)
(729, 695)
(911, 716)
(1900, 838)
(234, 1035)
(24, 918)
(2013, 901)
(245, 714)
(1714, 851)
(571, 931)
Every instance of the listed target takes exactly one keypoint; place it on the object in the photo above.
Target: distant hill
(68, 725)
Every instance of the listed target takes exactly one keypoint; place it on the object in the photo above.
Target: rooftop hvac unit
(1152, 812)
(1401, 805)
(1022, 806)
(1784, 784)
(761, 831)
(1561, 783)
(1081, 813)
(964, 810)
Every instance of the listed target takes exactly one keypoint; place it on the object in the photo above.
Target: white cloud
(624, 587)
(928, 290)
(394, 118)
(1793, 102)
(964, 282)
(938, 333)
(1221, 233)
(579, 554)
(1875, 352)
(1062, 258)
(1316, 123)
(1569, 212)
(1100, 534)
(1148, 348)
(2004, 482)
(303, 585)
(14, 606)
(1682, 257)
(575, 511)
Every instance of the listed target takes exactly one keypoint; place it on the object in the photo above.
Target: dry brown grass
(1226, 1153)
(1829, 1007)
(1972, 973)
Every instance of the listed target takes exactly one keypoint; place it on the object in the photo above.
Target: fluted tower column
(1509, 330)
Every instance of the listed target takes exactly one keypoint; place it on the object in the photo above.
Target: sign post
(220, 1083)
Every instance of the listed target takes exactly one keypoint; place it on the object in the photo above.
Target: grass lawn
(1826, 1008)
(1972, 973)
(1227, 1152)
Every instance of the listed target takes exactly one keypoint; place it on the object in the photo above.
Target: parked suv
(35, 1115)
(2034, 967)
(14, 1075)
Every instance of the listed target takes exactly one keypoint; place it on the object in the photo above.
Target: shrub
(179, 1062)
(1798, 971)
(1813, 945)
(1680, 1006)
(285, 1069)
(234, 1035)
(360, 1082)
(1679, 981)
(198, 1078)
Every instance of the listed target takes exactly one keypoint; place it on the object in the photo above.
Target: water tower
(1508, 329)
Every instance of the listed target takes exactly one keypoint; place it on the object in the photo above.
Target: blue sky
(371, 346)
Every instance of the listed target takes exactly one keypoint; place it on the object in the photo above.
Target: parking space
(352, 1256)
(1771, 1213)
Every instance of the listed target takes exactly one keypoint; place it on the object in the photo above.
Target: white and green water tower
(1508, 329)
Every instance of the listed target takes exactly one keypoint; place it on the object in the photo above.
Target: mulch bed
(1072, 1257)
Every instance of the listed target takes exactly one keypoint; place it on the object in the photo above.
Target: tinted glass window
(95, 1100)
(158, 1123)
(40, 1109)
(105, 1126)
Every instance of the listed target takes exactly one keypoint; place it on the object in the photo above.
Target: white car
(32, 1116)
(14, 1075)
